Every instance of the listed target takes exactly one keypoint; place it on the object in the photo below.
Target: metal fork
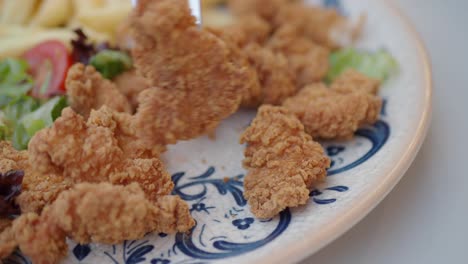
(195, 5)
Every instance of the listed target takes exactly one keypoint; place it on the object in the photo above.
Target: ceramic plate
(363, 171)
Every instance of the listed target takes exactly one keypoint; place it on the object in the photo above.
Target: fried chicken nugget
(101, 213)
(36, 190)
(39, 238)
(266, 9)
(40, 190)
(7, 242)
(351, 81)
(88, 90)
(307, 59)
(196, 79)
(276, 79)
(324, 26)
(283, 162)
(130, 84)
(248, 29)
(336, 112)
(12, 159)
(74, 151)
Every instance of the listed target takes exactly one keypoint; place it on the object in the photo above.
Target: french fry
(52, 13)
(105, 19)
(93, 35)
(7, 31)
(16, 45)
(17, 11)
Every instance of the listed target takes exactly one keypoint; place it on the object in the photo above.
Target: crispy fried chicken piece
(353, 81)
(321, 25)
(4, 223)
(197, 80)
(253, 89)
(275, 77)
(88, 90)
(7, 242)
(125, 132)
(307, 59)
(39, 238)
(271, 80)
(109, 214)
(40, 190)
(37, 189)
(100, 213)
(267, 9)
(130, 84)
(339, 111)
(94, 151)
(283, 162)
(248, 29)
(12, 159)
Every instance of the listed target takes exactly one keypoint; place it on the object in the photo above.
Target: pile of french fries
(25, 23)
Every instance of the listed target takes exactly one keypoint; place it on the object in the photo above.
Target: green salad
(22, 115)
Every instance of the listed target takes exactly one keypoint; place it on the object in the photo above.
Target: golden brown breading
(12, 159)
(197, 81)
(37, 189)
(283, 162)
(100, 213)
(125, 132)
(275, 76)
(353, 81)
(253, 90)
(321, 25)
(94, 152)
(109, 214)
(88, 90)
(7, 242)
(4, 223)
(40, 189)
(130, 85)
(329, 114)
(266, 9)
(248, 29)
(39, 238)
(308, 60)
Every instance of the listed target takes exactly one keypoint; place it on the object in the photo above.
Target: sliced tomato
(49, 62)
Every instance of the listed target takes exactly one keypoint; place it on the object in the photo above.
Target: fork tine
(195, 5)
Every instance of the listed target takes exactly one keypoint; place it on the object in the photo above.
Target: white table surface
(425, 218)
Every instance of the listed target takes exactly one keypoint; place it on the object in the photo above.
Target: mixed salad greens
(32, 88)
(22, 115)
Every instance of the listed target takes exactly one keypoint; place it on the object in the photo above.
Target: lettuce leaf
(32, 122)
(379, 65)
(3, 127)
(14, 79)
(44, 115)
